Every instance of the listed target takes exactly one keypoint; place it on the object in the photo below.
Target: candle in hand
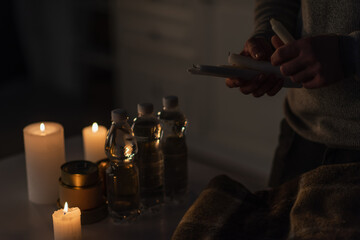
(44, 153)
(94, 142)
(67, 223)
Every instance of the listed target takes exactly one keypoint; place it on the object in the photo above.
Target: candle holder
(80, 186)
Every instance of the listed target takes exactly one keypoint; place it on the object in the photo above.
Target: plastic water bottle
(149, 158)
(173, 145)
(122, 175)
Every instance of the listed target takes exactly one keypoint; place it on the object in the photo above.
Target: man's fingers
(276, 88)
(253, 84)
(267, 85)
(255, 50)
(303, 76)
(258, 48)
(276, 42)
(232, 83)
(258, 86)
(294, 66)
(267, 50)
(284, 54)
(245, 53)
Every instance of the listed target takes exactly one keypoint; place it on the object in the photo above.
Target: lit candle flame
(42, 127)
(95, 127)
(66, 208)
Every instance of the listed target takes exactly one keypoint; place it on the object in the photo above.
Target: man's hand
(259, 49)
(313, 61)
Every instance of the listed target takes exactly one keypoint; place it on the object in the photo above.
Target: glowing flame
(128, 150)
(95, 127)
(42, 127)
(66, 208)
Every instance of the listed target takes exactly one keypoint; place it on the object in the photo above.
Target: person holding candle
(321, 123)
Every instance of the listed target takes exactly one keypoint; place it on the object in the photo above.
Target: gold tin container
(82, 197)
(79, 173)
(80, 186)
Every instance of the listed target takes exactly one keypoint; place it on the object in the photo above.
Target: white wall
(226, 128)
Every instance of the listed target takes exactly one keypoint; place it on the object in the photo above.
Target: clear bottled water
(122, 175)
(173, 145)
(149, 158)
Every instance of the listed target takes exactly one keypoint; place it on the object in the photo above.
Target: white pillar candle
(67, 223)
(44, 154)
(94, 142)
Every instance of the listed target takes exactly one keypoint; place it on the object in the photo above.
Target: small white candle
(44, 154)
(67, 223)
(281, 31)
(94, 142)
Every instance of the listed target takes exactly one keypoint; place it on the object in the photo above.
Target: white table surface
(20, 219)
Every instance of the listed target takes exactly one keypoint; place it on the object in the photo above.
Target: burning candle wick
(95, 127)
(42, 127)
(66, 208)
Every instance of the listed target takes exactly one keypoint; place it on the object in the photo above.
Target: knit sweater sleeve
(285, 11)
(349, 46)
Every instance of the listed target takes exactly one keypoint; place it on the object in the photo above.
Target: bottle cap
(170, 101)
(145, 108)
(118, 115)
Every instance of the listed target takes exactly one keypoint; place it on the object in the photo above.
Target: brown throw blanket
(321, 204)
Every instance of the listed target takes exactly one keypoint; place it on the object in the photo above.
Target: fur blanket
(321, 204)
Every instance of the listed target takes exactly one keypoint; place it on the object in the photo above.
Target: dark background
(73, 61)
(56, 65)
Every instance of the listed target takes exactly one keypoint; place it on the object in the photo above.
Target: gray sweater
(328, 115)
